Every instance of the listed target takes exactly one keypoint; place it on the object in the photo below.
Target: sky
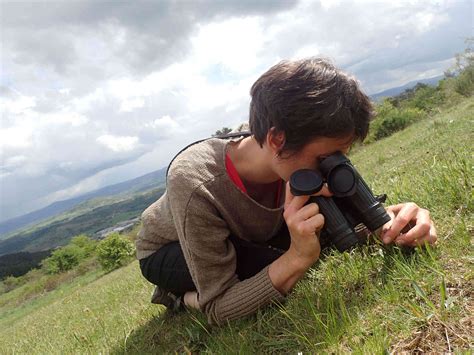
(93, 93)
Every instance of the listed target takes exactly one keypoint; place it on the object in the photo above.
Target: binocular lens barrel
(370, 210)
(344, 181)
(336, 226)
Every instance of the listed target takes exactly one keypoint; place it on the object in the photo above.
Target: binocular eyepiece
(353, 202)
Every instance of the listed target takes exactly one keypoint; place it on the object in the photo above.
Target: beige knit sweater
(200, 208)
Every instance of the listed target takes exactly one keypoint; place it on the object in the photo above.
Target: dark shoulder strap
(222, 136)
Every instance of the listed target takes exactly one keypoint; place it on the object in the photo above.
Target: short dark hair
(307, 99)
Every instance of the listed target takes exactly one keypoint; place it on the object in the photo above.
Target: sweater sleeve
(211, 258)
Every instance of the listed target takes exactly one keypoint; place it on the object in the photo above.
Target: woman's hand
(410, 226)
(304, 223)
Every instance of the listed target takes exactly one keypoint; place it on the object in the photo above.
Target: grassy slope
(30, 297)
(373, 300)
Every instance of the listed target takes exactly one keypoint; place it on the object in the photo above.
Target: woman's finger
(406, 214)
(421, 228)
(429, 237)
(308, 211)
(293, 203)
(314, 224)
(288, 195)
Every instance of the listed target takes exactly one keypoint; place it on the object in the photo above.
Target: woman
(228, 237)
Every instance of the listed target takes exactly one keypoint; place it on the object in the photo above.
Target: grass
(374, 300)
(41, 291)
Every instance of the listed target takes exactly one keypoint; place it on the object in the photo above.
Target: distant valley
(90, 214)
(105, 195)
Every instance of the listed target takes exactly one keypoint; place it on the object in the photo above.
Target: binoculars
(353, 202)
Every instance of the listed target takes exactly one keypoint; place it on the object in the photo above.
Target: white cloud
(425, 21)
(63, 117)
(89, 101)
(327, 4)
(15, 137)
(15, 160)
(164, 124)
(129, 105)
(118, 144)
(18, 105)
(231, 45)
(9, 164)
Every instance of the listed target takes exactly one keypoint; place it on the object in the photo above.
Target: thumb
(288, 195)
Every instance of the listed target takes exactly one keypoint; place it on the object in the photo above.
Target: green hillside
(88, 220)
(66, 209)
(375, 300)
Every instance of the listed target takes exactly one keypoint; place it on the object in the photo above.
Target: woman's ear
(275, 140)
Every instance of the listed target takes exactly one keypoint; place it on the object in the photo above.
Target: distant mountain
(398, 90)
(146, 182)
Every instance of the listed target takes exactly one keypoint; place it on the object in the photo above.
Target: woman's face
(310, 156)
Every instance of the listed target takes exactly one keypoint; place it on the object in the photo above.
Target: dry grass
(438, 335)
